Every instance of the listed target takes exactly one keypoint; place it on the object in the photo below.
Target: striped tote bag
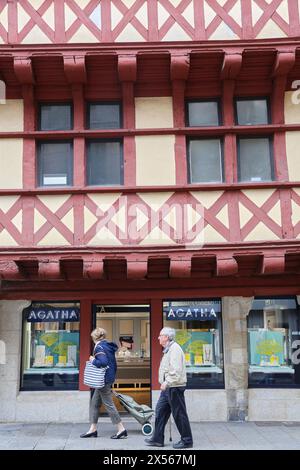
(94, 377)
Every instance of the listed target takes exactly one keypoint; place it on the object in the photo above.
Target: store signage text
(188, 312)
(53, 314)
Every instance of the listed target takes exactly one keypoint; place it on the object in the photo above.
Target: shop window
(50, 352)
(55, 117)
(255, 159)
(205, 160)
(55, 164)
(252, 112)
(203, 113)
(104, 116)
(104, 163)
(198, 326)
(274, 342)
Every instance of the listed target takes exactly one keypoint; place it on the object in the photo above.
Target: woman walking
(103, 356)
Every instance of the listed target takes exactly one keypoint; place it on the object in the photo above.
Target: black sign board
(51, 314)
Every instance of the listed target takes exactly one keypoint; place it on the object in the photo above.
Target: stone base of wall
(45, 407)
(274, 405)
(202, 405)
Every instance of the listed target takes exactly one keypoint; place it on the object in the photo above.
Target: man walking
(172, 377)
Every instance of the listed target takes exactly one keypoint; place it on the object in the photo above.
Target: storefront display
(273, 338)
(51, 346)
(199, 333)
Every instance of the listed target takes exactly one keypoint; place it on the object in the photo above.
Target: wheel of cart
(142, 413)
(147, 429)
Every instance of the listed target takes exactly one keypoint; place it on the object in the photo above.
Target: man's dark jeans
(172, 401)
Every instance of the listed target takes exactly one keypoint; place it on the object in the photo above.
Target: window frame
(270, 137)
(54, 103)
(252, 98)
(221, 139)
(111, 102)
(95, 140)
(39, 171)
(217, 100)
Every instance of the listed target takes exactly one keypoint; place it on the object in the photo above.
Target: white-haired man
(172, 379)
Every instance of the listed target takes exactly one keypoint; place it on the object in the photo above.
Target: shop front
(242, 355)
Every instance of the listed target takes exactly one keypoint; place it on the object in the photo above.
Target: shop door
(129, 327)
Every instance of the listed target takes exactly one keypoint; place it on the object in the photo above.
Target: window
(254, 159)
(55, 164)
(203, 113)
(104, 116)
(55, 117)
(205, 160)
(50, 351)
(273, 343)
(104, 163)
(198, 329)
(252, 111)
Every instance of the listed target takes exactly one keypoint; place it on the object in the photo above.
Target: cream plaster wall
(292, 153)
(11, 163)
(12, 116)
(153, 112)
(291, 107)
(155, 160)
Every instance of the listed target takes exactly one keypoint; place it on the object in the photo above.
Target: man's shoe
(90, 434)
(182, 445)
(150, 442)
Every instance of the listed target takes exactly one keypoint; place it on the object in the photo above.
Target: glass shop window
(50, 351)
(274, 343)
(198, 326)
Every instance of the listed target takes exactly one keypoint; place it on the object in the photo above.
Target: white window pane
(254, 160)
(205, 161)
(55, 117)
(203, 113)
(252, 112)
(105, 163)
(104, 116)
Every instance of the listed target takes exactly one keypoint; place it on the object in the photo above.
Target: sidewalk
(210, 436)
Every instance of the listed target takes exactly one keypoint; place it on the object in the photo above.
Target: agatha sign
(48, 314)
(202, 311)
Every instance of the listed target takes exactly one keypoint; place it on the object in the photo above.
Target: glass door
(129, 327)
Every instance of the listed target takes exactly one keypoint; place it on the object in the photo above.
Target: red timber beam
(127, 71)
(132, 267)
(179, 72)
(283, 64)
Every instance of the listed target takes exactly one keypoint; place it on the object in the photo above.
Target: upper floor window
(203, 113)
(255, 159)
(55, 163)
(104, 162)
(252, 112)
(205, 160)
(104, 116)
(55, 117)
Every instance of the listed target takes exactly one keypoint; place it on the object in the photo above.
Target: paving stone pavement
(207, 436)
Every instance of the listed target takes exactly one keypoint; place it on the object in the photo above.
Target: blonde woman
(104, 355)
